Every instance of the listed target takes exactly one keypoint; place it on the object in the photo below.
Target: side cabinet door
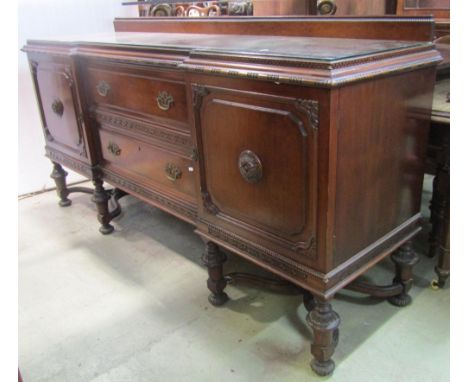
(57, 98)
(258, 166)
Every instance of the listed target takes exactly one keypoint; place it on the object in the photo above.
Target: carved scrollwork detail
(67, 73)
(311, 109)
(194, 154)
(199, 92)
(164, 100)
(208, 203)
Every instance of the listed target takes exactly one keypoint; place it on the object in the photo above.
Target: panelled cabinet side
(380, 156)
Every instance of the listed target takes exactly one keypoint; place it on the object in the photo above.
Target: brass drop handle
(103, 88)
(250, 166)
(173, 172)
(114, 149)
(164, 100)
(57, 107)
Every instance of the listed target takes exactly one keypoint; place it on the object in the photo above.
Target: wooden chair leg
(213, 258)
(324, 323)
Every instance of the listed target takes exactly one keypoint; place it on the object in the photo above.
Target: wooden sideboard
(299, 149)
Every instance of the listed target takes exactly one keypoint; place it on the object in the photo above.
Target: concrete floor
(133, 307)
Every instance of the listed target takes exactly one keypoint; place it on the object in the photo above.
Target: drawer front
(141, 92)
(149, 165)
(56, 94)
(258, 163)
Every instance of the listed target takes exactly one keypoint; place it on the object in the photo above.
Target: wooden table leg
(442, 220)
(213, 258)
(404, 259)
(324, 322)
(59, 176)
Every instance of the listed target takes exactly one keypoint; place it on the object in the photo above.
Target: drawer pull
(103, 88)
(173, 172)
(250, 166)
(57, 107)
(164, 100)
(114, 149)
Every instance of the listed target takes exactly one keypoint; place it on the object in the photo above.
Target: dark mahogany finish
(304, 155)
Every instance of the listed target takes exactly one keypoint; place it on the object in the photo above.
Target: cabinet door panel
(258, 162)
(57, 99)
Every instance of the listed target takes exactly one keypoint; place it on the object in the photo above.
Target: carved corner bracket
(198, 93)
(311, 109)
(208, 203)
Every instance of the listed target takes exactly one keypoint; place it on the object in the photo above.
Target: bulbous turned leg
(309, 301)
(101, 198)
(213, 258)
(59, 176)
(324, 322)
(404, 259)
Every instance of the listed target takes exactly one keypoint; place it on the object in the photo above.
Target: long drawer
(151, 166)
(151, 94)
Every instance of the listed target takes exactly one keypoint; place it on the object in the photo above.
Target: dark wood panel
(380, 159)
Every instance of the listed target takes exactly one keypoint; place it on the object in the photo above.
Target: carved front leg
(59, 176)
(405, 258)
(101, 198)
(213, 258)
(324, 323)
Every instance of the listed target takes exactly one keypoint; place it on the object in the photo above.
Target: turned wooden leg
(213, 258)
(59, 176)
(443, 266)
(438, 208)
(404, 259)
(440, 204)
(101, 198)
(324, 323)
(309, 301)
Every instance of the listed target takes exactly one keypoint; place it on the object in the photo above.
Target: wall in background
(49, 18)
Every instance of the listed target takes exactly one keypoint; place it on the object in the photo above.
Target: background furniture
(282, 149)
(438, 164)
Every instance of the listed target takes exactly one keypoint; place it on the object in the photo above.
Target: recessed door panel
(257, 158)
(56, 92)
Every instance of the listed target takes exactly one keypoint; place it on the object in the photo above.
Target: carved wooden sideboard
(298, 149)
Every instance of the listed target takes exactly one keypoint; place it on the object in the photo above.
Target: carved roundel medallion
(250, 166)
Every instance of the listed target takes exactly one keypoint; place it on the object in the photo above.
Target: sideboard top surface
(310, 52)
(306, 48)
